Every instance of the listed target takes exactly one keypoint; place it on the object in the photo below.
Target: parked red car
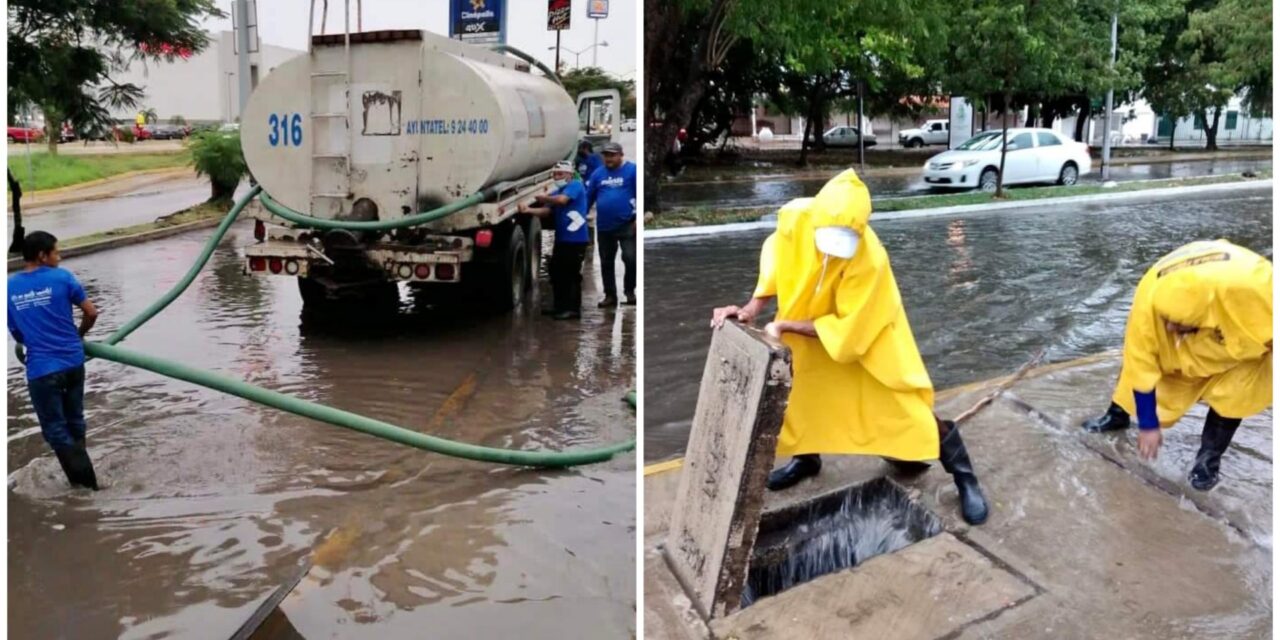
(25, 134)
(141, 133)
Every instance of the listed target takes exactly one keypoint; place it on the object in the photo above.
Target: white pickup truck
(931, 132)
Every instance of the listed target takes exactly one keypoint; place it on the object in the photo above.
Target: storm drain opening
(833, 532)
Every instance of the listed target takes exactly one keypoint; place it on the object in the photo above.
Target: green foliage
(593, 79)
(150, 116)
(218, 155)
(49, 171)
(62, 54)
(127, 135)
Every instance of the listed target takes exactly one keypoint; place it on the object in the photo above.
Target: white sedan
(1033, 155)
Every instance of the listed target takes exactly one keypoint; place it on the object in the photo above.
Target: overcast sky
(284, 23)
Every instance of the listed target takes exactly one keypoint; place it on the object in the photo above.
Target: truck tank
(399, 122)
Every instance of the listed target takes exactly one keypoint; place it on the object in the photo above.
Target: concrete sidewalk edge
(683, 232)
(124, 241)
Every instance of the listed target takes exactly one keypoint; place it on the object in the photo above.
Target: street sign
(598, 9)
(478, 21)
(255, 42)
(961, 122)
(558, 14)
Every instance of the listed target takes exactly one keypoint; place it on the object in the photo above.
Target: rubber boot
(1114, 419)
(955, 459)
(1214, 441)
(908, 467)
(68, 468)
(799, 468)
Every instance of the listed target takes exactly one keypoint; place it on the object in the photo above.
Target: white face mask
(562, 182)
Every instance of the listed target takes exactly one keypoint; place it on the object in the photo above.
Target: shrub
(126, 135)
(218, 155)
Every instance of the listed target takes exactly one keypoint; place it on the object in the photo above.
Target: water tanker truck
(355, 141)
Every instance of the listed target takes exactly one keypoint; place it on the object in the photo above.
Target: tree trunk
(1211, 130)
(1004, 147)
(1047, 115)
(1031, 115)
(221, 191)
(1173, 133)
(804, 142)
(1082, 117)
(817, 116)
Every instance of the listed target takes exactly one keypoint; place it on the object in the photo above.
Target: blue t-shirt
(40, 317)
(588, 165)
(571, 219)
(613, 191)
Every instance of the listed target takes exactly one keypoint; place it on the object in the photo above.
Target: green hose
(168, 298)
(312, 410)
(506, 48)
(350, 420)
(376, 225)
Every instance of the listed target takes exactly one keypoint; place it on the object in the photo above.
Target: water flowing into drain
(833, 532)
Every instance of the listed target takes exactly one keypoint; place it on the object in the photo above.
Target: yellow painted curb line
(670, 465)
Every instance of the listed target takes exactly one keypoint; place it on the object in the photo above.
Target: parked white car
(846, 136)
(1034, 155)
(629, 124)
(931, 132)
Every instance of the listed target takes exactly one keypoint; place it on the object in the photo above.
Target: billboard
(558, 14)
(598, 9)
(478, 21)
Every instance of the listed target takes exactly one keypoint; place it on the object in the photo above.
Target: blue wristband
(1147, 418)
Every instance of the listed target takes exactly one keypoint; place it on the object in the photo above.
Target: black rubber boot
(1114, 419)
(1214, 441)
(64, 459)
(799, 468)
(955, 459)
(908, 467)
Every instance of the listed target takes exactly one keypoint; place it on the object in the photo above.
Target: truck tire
(915, 143)
(506, 279)
(313, 293)
(380, 296)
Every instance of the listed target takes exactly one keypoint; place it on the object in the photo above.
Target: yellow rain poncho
(861, 386)
(1225, 292)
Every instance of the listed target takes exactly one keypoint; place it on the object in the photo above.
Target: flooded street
(771, 190)
(983, 291)
(140, 206)
(211, 502)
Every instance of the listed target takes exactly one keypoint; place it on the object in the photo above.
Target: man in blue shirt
(40, 320)
(588, 160)
(568, 206)
(612, 189)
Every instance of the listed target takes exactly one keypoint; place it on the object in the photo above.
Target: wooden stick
(1002, 387)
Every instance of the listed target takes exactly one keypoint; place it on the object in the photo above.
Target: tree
(150, 116)
(62, 54)
(218, 155)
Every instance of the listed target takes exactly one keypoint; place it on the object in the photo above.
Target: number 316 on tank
(285, 129)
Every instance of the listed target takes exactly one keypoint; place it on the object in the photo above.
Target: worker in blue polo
(588, 160)
(567, 205)
(41, 297)
(612, 189)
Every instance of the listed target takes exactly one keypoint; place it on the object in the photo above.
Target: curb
(681, 232)
(64, 195)
(124, 241)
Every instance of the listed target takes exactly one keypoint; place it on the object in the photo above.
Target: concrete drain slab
(927, 590)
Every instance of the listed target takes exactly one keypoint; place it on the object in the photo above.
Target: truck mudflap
(439, 259)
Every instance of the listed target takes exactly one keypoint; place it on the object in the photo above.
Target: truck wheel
(507, 279)
(313, 293)
(915, 143)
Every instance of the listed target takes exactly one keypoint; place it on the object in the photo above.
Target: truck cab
(930, 133)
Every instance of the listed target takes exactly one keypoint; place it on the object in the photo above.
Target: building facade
(204, 88)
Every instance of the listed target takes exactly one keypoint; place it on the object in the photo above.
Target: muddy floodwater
(771, 190)
(983, 291)
(211, 502)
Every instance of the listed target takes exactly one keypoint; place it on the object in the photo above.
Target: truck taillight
(484, 238)
(276, 265)
(258, 264)
(259, 231)
(445, 271)
(423, 271)
(405, 270)
(291, 267)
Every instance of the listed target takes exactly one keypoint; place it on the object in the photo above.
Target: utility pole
(557, 67)
(862, 161)
(242, 11)
(1106, 129)
(595, 44)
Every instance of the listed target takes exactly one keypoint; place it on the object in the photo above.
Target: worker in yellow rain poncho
(859, 384)
(1199, 330)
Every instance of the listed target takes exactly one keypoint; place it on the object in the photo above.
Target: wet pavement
(774, 190)
(211, 502)
(140, 206)
(983, 291)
